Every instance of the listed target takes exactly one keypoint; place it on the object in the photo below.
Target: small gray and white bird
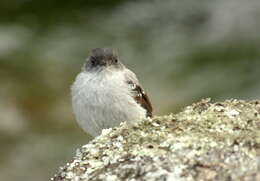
(106, 93)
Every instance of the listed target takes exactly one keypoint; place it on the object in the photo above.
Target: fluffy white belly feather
(103, 101)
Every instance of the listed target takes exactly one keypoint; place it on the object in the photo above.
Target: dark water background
(182, 51)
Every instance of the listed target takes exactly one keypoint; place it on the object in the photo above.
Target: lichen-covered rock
(206, 141)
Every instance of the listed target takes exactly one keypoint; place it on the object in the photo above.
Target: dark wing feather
(141, 98)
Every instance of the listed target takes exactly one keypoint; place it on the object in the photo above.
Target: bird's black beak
(102, 63)
(97, 61)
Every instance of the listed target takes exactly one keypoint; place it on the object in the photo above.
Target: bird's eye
(115, 60)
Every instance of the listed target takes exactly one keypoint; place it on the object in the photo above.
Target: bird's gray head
(102, 58)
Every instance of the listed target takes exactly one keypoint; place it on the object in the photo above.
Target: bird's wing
(138, 93)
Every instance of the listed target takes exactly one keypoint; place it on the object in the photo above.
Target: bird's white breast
(103, 100)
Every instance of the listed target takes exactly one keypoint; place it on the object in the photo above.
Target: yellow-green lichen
(210, 141)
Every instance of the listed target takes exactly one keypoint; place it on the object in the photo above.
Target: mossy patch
(209, 141)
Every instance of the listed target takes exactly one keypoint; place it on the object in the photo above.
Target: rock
(206, 141)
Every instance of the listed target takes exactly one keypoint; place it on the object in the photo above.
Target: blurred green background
(182, 51)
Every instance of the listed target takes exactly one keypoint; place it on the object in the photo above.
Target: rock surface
(206, 141)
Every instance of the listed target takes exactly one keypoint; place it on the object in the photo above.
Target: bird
(106, 93)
